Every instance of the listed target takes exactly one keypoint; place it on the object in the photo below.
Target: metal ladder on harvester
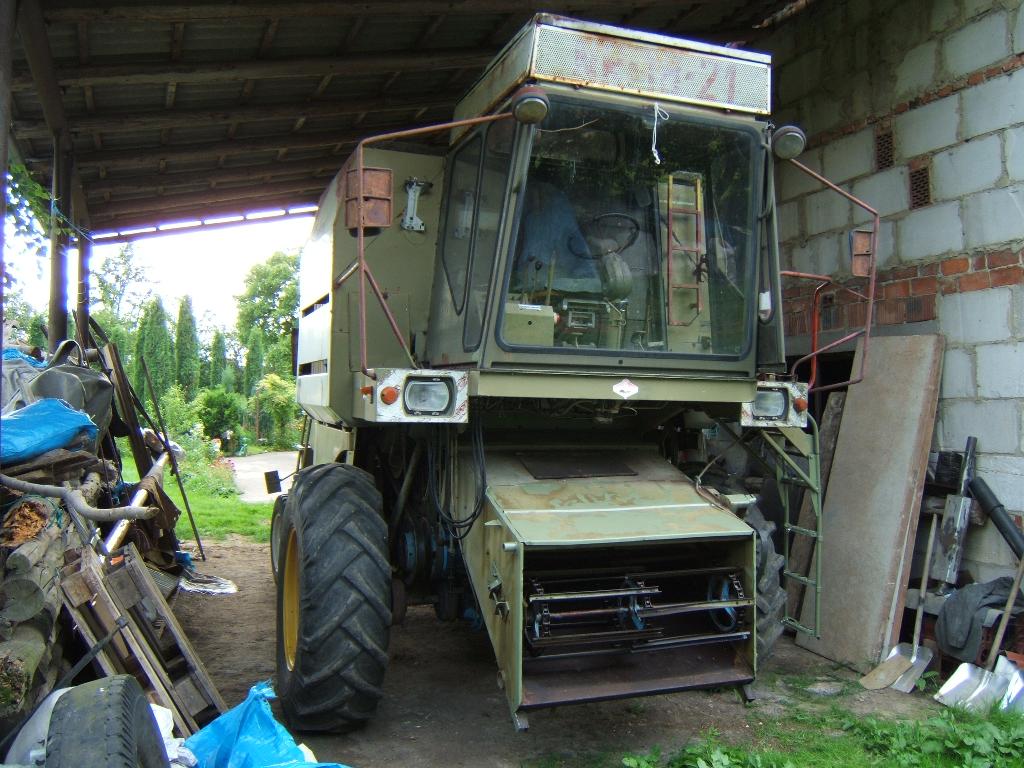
(679, 249)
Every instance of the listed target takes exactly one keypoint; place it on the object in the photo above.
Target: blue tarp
(14, 354)
(248, 736)
(40, 427)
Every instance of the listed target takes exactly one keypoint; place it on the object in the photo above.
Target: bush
(179, 415)
(219, 411)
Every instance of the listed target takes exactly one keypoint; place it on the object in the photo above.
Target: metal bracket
(413, 189)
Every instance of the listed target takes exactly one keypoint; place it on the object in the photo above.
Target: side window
(493, 181)
(459, 218)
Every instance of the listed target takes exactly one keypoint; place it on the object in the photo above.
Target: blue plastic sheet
(248, 736)
(40, 427)
(15, 354)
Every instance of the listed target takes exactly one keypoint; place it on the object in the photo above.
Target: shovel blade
(907, 682)
(886, 673)
(972, 688)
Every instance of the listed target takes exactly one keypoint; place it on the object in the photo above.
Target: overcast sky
(208, 266)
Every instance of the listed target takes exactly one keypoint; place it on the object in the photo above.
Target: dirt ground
(442, 707)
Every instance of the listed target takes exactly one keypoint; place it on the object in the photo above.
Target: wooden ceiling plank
(209, 72)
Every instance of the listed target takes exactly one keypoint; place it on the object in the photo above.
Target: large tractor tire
(106, 722)
(333, 600)
(771, 597)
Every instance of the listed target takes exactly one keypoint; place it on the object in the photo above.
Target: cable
(440, 454)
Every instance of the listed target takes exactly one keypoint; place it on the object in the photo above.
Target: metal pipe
(406, 489)
(997, 512)
(117, 533)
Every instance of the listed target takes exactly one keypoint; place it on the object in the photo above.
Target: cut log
(27, 595)
(19, 660)
(21, 560)
(26, 519)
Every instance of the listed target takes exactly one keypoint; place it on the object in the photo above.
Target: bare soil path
(442, 707)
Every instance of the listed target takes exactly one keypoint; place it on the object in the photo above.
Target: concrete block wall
(918, 108)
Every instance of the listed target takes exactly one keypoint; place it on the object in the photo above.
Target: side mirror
(860, 252)
(788, 142)
(377, 199)
(530, 105)
(272, 481)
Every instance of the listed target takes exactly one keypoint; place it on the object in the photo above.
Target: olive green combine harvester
(529, 366)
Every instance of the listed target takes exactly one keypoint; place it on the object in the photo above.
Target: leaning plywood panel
(874, 494)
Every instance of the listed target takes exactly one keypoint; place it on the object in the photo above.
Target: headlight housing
(428, 396)
(770, 404)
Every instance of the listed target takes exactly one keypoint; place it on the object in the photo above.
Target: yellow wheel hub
(290, 608)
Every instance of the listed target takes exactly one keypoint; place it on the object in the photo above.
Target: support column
(82, 313)
(60, 214)
(7, 25)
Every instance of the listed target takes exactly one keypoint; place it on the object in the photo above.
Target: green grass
(214, 501)
(836, 738)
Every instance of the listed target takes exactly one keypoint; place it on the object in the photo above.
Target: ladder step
(797, 482)
(802, 531)
(802, 579)
(794, 624)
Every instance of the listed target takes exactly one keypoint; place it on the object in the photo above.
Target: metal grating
(884, 150)
(920, 187)
(581, 58)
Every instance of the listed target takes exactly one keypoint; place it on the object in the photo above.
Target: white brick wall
(994, 216)
(930, 232)
(1013, 142)
(849, 157)
(974, 318)
(927, 128)
(976, 45)
(994, 104)
(958, 374)
(1001, 369)
(967, 168)
(917, 70)
(996, 424)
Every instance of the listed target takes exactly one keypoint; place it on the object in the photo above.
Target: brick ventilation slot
(883, 150)
(920, 187)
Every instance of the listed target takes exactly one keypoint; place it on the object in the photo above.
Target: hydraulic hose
(995, 510)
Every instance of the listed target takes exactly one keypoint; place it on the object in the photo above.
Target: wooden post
(82, 313)
(7, 23)
(57, 327)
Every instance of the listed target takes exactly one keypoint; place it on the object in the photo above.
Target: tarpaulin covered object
(40, 427)
(248, 736)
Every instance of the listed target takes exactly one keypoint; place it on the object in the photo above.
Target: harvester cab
(544, 379)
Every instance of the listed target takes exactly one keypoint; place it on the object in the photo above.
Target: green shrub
(219, 411)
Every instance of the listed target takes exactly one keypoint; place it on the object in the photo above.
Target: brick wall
(918, 108)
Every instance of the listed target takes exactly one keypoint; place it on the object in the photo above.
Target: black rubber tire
(771, 597)
(344, 586)
(106, 722)
(276, 520)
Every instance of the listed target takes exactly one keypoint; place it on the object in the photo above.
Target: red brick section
(1009, 64)
(902, 294)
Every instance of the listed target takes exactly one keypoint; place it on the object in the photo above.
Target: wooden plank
(802, 547)
(148, 589)
(126, 407)
(871, 508)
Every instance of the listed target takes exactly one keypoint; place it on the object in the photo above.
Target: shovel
(972, 687)
(906, 663)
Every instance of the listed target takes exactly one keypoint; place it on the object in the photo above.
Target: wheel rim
(290, 609)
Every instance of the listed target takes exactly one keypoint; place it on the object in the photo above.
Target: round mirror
(788, 142)
(530, 105)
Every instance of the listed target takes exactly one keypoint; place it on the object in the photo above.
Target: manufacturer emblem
(625, 389)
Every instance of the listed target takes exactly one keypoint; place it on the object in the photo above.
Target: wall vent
(883, 150)
(920, 187)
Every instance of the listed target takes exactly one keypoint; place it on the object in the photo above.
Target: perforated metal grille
(579, 58)
(920, 187)
(883, 150)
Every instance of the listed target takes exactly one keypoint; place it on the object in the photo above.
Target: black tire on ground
(106, 722)
(276, 520)
(771, 597)
(333, 605)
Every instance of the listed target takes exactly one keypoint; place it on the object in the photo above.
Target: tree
(218, 359)
(179, 414)
(253, 362)
(219, 411)
(186, 350)
(276, 396)
(153, 344)
(279, 358)
(120, 285)
(270, 300)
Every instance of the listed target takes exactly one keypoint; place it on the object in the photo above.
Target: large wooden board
(874, 494)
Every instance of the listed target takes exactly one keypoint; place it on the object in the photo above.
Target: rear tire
(771, 597)
(106, 722)
(333, 600)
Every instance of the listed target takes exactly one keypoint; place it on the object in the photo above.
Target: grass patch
(839, 739)
(214, 500)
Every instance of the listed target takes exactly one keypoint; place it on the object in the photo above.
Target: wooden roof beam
(147, 183)
(171, 12)
(209, 72)
(114, 122)
(36, 44)
(299, 188)
(204, 213)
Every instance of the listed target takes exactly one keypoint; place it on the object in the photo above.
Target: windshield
(636, 233)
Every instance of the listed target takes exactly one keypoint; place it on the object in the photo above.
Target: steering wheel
(634, 230)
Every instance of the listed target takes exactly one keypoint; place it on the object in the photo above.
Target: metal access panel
(560, 50)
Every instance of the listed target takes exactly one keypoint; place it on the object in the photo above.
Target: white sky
(208, 266)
